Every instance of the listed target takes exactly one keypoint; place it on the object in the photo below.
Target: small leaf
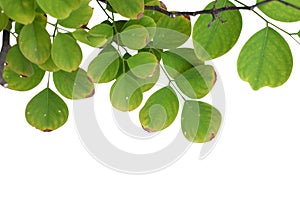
(125, 94)
(3, 21)
(21, 11)
(105, 66)
(172, 32)
(73, 85)
(132, 9)
(135, 37)
(216, 40)
(79, 17)
(18, 63)
(147, 83)
(66, 53)
(143, 65)
(16, 82)
(160, 110)
(265, 60)
(46, 111)
(155, 15)
(49, 66)
(197, 82)
(281, 12)
(35, 43)
(146, 22)
(200, 122)
(154, 51)
(57, 8)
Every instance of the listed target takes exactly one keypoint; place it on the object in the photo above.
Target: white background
(257, 156)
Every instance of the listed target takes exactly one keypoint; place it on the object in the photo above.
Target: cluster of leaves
(156, 41)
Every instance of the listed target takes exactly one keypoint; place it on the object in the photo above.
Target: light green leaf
(98, 36)
(34, 42)
(280, 11)
(79, 17)
(46, 111)
(18, 63)
(146, 22)
(49, 66)
(125, 94)
(58, 8)
(132, 9)
(177, 61)
(135, 37)
(216, 40)
(155, 15)
(74, 85)
(172, 32)
(21, 11)
(105, 66)
(16, 82)
(200, 122)
(143, 65)
(265, 60)
(160, 110)
(66, 53)
(197, 82)
(3, 21)
(146, 83)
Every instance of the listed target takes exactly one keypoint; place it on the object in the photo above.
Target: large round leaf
(146, 22)
(172, 32)
(16, 82)
(66, 53)
(18, 63)
(131, 8)
(46, 111)
(35, 43)
(126, 94)
(177, 61)
(281, 12)
(265, 60)
(197, 82)
(160, 110)
(135, 36)
(74, 85)
(58, 8)
(214, 41)
(79, 17)
(105, 66)
(200, 122)
(22, 11)
(143, 64)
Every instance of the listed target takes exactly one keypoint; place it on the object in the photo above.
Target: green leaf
(66, 53)
(197, 82)
(18, 27)
(74, 85)
(57, 8)
(21, 11)
(143, 65)
(3, 21)
(132, 9)
(16, 82)
(160, 110)
(46, 111)
(98, 36)
(79, 17)
(135, 37)
(177, 61)
(265, 60)
(105, 66)
(49, 66)
(216, 40)
(200, 122)
(154, 51)
(126, 94)
(41, 19)
(35, 43)
(147, 83)
(18, 63)
(155, 15)
(146, 22)
(172, 32)
(280, 11)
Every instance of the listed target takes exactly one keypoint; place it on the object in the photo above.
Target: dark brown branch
(3, 54)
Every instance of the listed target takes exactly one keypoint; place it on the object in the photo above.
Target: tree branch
(3, 54)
